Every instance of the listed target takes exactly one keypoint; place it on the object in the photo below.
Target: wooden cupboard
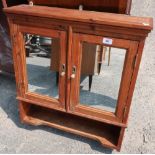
(100, 114)
(113, 6)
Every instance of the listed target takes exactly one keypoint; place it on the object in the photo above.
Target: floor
(140, 134)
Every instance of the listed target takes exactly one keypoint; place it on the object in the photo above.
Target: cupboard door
(44, 66)
(102, 69)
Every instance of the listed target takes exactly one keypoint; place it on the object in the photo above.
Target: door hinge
(18, 85)
(135, 61)
(14, 37)
(124, 112)
(72, 108)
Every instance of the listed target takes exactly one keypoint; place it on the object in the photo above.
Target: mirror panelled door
(44, 60)
(99, 77)
(100, 80)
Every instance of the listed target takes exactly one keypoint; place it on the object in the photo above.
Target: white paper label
(107, 41)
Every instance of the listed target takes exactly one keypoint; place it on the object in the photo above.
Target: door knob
(62, 73)
(63, 70)
(73, 72)
(73, 76)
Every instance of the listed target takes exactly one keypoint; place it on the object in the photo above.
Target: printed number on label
(107, 41)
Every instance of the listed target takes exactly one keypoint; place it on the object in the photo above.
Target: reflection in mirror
(42, 57)
(101, 72)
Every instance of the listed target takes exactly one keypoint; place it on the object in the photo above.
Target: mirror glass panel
(42, 60)
(101, 72)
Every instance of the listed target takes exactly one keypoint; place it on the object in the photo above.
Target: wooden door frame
(93, 113)
(20, 59)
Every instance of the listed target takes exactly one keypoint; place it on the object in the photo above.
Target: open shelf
(114, 122)
(107, 134)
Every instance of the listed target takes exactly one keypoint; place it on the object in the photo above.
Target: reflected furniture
(91, 62)
(74, 28)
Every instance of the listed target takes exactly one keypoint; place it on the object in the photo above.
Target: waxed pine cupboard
(100, 113)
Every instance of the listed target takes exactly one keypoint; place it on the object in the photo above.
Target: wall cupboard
(100, 113)
(113, 6)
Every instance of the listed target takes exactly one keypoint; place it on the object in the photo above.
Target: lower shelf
(107, 134)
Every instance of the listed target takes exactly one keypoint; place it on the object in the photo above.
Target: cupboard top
(111, 19)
